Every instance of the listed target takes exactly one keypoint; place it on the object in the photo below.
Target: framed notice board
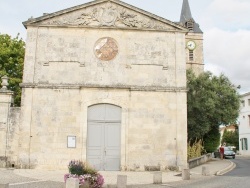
(71, 141)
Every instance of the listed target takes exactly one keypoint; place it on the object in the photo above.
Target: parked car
(228, 152)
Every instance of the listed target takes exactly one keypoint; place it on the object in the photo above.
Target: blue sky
(225, 24)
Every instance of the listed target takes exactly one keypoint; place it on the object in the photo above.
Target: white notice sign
(71, 141)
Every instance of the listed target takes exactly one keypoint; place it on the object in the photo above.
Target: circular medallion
(106, 49)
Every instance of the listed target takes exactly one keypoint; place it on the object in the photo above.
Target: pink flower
(94, 179)
(66, 176)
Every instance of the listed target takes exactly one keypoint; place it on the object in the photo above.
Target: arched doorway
(104, 137)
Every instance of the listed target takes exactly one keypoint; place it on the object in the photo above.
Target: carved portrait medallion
(106, 49)
(108, 16)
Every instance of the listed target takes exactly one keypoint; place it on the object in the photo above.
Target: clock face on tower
(191, 45)
(106, 49)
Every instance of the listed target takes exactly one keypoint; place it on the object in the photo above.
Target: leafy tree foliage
(212, 140)
(11, 63)
(211, 101)
(231, 138)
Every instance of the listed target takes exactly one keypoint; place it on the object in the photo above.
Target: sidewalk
(215, 167)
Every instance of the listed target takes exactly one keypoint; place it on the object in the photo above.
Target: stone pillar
(121, 181)
(185, 174)
(157, 178)
(5, 103)
(205, 171)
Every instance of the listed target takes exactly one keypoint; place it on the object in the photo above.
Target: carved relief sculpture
(111, 15)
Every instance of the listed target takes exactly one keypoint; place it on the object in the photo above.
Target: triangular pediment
(106, 13)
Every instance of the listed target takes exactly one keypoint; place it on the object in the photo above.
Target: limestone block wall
(63, 77)
(145, 58)
(152, 134)
(13, 136)
(153, 125)
(161, 125)
(50, 116)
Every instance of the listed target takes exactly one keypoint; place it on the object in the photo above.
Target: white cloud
(230, 6)
(232, 14)
(228, 52)
(225, 24)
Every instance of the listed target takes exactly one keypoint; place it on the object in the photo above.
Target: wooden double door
(104, 137)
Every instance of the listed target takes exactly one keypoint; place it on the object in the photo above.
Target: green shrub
(76, 167)
(212, 140)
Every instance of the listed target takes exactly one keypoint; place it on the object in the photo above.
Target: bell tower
(194, 40)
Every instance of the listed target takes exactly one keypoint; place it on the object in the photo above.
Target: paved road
(238, 178)
(45, 184)
(242, 168)
(16, 181)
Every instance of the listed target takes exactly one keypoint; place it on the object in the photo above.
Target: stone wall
(10, 146)
(199, 160)
(9, 129)
(5, 103)
(145, 58)
(147, 80)
(64, 74)
(150, 131)
(13, 136)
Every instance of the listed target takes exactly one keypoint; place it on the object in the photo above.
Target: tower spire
(186, 18)
(185, 12)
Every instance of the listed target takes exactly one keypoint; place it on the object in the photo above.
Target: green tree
(11, 63)
(211, 101)
(231, 138)
(212, 140)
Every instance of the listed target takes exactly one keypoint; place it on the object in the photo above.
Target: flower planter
(88, 177)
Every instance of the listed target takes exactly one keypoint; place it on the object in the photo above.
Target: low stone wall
(9, 139)
(199, 160)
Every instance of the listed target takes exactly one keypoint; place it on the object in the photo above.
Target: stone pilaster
(5, 103)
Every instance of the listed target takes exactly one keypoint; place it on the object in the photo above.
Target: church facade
(105, 82)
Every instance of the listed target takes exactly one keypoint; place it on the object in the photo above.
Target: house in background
(244, 125)
(230, 128)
